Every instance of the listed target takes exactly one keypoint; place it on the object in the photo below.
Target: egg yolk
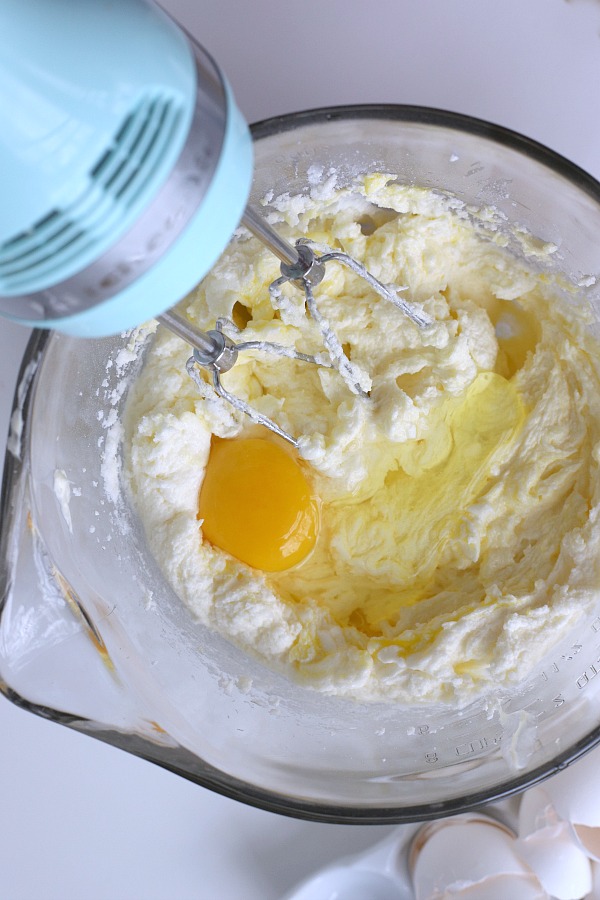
(256, 504)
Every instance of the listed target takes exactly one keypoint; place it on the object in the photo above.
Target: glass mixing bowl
(93, 637)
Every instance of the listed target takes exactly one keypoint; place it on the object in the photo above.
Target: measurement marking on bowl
(589, 674)
(476, 746)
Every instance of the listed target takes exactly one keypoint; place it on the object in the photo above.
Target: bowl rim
(426, 115)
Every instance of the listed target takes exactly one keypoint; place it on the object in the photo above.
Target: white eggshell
(536, 811)
(575, 792)
(472, 859)
(588, 839)
(499, 887)
(562, 867)
(595, 892)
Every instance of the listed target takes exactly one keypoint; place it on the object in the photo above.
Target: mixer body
(127, 163)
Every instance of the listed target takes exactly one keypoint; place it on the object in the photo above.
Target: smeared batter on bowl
(457, 534)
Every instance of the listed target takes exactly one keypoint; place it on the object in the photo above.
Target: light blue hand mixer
(125, 168)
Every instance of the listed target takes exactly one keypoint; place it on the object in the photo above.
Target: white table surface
(83, 821)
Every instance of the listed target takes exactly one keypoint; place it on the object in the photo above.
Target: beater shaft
(260, 228)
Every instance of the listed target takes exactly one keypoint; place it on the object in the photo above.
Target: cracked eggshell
(574, 796)
(575, 792)
(562, 867)
(550, 846)
(595, 892)
(589, 840)
(536, 811)
(470, 858)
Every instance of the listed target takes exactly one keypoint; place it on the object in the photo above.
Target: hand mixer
(126, 168)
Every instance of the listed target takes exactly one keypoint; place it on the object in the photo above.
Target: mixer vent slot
(67, 239)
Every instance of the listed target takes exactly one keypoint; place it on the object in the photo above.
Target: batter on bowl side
(458, 503)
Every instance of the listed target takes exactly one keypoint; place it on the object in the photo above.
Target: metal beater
(304, 267)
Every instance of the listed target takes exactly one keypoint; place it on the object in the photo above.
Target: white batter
(459, 503)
